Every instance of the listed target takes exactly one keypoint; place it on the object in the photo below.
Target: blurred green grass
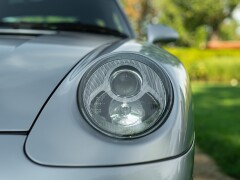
(210, 65)
(217, 123)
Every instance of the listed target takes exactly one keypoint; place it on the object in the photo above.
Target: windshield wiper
(74, 27)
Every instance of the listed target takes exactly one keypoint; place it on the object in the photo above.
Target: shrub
(210, 65)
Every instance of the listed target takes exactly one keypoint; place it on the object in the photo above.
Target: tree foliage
(140, 12)
(195, 20)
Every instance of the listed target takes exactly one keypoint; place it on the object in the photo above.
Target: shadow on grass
(217, 117)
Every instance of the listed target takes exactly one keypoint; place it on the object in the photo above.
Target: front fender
(61, 136)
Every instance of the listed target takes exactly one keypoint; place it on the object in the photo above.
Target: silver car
(81, 98)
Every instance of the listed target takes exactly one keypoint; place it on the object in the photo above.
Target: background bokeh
(209, 48)
(196, 21)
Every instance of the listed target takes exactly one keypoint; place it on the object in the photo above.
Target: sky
(236, 14)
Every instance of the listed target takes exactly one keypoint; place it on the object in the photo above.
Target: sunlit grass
(217, 117)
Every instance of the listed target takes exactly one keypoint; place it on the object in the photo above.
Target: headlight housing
(125, 95)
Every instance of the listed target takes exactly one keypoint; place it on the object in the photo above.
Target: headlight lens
(125, 82)
(125, 97)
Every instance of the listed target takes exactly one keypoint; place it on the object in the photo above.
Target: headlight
(125, 96)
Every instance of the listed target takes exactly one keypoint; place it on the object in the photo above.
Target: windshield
(43, 14)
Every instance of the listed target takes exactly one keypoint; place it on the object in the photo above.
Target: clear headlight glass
(125, 97)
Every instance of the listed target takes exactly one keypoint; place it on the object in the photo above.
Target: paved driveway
(206, 169)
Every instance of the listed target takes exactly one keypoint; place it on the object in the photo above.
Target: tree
(195, 20)
(193, 17)
(207, 12)
(140, 13)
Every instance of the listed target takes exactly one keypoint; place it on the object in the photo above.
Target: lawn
(217, 123)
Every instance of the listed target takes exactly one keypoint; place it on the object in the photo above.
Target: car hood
(31, 67)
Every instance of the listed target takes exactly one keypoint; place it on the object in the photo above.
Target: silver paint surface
(14, 165)
(61, 145)
(30, 69)
(67, 139)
